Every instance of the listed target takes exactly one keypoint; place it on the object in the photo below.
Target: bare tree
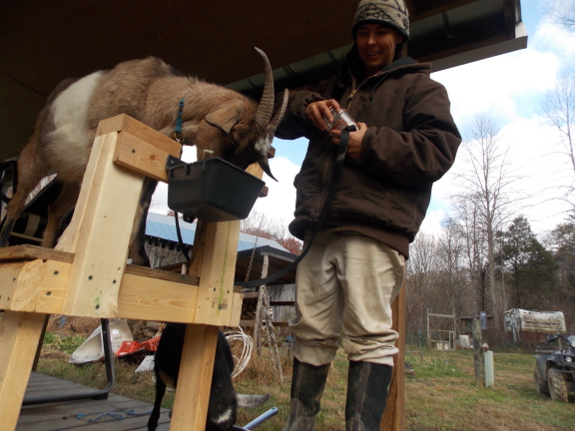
(454, 279)
(422, 270)
(487, 183)
(559, 110)
(562, 13)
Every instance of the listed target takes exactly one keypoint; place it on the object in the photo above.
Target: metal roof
(164, 227)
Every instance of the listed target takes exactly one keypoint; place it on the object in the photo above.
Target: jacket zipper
(327, 178)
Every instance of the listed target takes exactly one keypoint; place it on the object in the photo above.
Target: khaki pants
(345, 287)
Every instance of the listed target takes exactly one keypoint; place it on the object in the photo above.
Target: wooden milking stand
(87, 274)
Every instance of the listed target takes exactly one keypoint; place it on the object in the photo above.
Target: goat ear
(224, 119)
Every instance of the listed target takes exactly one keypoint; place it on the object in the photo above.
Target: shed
(532, 325)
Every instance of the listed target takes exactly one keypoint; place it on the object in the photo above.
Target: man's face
(376, 44)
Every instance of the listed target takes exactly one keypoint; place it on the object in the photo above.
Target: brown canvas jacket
(410, 143)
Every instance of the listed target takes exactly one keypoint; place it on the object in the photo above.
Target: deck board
(63, 416)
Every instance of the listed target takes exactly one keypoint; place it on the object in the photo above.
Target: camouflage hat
(392, 13)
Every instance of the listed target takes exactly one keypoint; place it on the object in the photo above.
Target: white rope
(247, 348)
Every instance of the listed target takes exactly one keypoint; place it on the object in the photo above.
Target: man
(406, 140)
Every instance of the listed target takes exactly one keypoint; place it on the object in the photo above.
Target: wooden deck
(63, 416)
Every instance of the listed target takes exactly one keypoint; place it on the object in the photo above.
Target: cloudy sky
(509, 89)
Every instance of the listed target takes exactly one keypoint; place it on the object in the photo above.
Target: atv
(555, 372)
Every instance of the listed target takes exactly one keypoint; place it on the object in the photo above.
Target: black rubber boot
(307, 386)
(367, 385)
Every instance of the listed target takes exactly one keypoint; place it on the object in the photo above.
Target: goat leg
(57, 210)
(155, 416)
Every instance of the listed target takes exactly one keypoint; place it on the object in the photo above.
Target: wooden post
(195, 378)
(393, 416)
(19, 335)
(477, 357)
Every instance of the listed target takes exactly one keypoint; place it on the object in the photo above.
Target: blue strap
(178, 128)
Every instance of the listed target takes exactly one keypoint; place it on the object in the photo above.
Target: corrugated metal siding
(164, 227)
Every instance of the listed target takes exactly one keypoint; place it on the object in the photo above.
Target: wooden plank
(19, 336)
(28, 252)
(138, 130)
(161, 274)
(393, 416)
(53, 290)
(110, 198)
(194, 381)
(9, 273)
(216, 295)
(28, 285)
(154, 299)
(62, 416)
(141, 157)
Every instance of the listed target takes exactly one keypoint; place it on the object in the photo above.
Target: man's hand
(316, 111)
(354, 142)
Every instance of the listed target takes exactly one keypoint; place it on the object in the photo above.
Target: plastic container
(151, 345)
(212, 190)
(128, 348)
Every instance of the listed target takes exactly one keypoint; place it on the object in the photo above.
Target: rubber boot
(367, 386)
(308, 382)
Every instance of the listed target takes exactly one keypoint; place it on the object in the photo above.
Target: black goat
(223, 398)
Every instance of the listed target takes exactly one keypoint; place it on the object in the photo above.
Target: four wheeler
(555, 372)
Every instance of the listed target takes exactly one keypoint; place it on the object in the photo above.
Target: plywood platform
(63, 416)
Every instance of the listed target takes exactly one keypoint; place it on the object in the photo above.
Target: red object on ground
(128, 347)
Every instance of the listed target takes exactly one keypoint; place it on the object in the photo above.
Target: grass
(441, 395)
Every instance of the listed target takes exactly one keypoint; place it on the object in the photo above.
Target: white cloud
(499, 85)
(279, 204)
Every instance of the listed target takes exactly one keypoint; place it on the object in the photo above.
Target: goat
(223, 398)
(212, 117)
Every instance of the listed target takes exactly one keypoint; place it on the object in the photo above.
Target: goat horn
(279, 115)
(266, 106)
(264, 164)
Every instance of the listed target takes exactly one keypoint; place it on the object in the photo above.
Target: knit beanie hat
(392, 13)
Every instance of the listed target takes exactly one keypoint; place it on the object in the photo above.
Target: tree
(453, 273)
(562, 13)
(486, 181)
(421, 274)
(562, 242)
(530, 265)
(559, 110)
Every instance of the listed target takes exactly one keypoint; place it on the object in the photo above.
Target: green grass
(441, 395)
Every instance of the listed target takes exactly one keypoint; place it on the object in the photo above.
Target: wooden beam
(102, 223)
(127, 124)
(19, 333)
(27, 252)
(195, 378)
(139, 156)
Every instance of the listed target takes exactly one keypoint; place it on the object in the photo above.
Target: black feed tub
(212, 190)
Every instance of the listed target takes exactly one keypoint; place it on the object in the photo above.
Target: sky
(508, 89)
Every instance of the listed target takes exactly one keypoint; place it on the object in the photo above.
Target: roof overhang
(42, 43)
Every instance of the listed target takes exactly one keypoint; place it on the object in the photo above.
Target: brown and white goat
(213, 118)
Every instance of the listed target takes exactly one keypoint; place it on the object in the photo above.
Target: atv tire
(557, 385)
(541, 386)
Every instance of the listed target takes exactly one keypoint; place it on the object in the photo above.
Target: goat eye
(233, 142)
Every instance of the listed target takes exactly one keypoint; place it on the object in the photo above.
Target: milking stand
(86, 275)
